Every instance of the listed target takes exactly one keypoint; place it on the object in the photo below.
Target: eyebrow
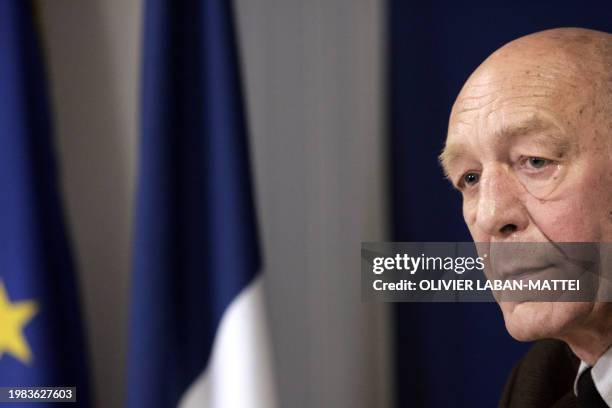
(560, 142)
(450, 154)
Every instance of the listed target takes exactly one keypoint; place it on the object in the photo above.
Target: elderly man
(529, 147)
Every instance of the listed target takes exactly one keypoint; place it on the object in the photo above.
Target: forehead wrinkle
(508, 107)
(501, 83)
(532, 95)
(545, 87)
(468, 102)
(533, 124)
(474, 103)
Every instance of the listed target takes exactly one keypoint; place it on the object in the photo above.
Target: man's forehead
(514, 92)
(503, 125)
(503, 107)
(516, 80)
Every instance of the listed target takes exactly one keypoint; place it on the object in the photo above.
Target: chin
(529, 321)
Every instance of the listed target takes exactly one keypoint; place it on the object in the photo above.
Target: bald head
(586, 53)
(576, 57)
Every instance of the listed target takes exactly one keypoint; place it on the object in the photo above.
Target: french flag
(198, 332)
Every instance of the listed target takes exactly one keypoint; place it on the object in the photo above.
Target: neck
(593, 338)
(589, 352)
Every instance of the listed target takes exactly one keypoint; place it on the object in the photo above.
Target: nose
(500, 212)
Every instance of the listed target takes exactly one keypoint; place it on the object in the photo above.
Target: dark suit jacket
(543, 378)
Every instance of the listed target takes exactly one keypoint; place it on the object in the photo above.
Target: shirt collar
(602, 376)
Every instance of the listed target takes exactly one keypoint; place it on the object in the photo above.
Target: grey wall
(92, 52)
(313, 72)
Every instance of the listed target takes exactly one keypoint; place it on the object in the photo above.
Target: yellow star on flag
(13, 318)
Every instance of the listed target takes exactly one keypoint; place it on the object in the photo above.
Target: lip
(523, 273)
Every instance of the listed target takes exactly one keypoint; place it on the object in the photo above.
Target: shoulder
(544, 377)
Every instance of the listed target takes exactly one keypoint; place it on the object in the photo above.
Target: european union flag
(40, 330)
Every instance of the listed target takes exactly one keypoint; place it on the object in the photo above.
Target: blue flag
(40, 331)
(196, 247)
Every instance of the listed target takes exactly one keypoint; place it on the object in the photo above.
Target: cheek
(581, 214)
(567, 221)
(469, 216)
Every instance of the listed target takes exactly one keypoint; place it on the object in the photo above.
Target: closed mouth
(523, 273)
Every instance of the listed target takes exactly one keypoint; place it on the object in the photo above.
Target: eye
(539, 176)
(469, 179)
(537, 162)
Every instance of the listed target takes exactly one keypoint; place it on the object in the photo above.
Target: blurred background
(313, 75)
(346, 108)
